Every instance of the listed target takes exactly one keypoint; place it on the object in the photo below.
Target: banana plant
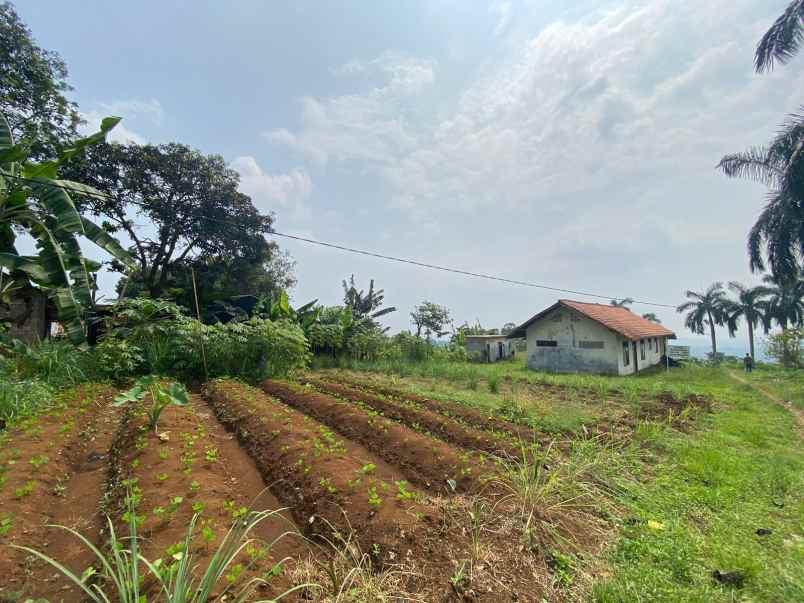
(34, 199)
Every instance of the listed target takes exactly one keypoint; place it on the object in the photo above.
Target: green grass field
(684, 505)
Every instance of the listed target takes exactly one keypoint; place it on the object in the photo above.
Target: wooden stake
(198, 315)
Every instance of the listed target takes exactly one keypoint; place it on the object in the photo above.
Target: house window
(546, 343)
(591, 345)
(626, 354)
(642, 349)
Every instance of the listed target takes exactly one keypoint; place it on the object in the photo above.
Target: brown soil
(425, 461)
(416, 417)
(194, 458)
(472, 416)
(327, 482)
(64, 455)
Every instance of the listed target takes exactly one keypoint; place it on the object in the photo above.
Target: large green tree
(707, 309)
(778, 234)
(33, 88)
(430, 318)
(751, 305)
(173, 203)
(786, 301)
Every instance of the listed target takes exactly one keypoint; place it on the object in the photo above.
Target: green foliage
(56, 363)
(33, 199)
(117, 359)
(430, 318)
(787, 347)
(179, 579)
(34, 86)
(160, 395)
(191, 200)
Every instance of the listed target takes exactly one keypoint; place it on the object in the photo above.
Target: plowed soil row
(425, 461)
(52, 470)
(329, 483)
(476, 417)
(416, 417)
(195, 466)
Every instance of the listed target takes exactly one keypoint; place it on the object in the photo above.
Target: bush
(57, 363)
(254, 349)
(786, 347)
(117, 359)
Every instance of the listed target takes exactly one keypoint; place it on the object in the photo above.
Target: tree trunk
(751, 339)
(712, 335)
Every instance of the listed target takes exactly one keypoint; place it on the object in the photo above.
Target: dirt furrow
(329, 483)
(414, 416)
(194, 466)
(52, 471)
(426, 461)
(476, 417)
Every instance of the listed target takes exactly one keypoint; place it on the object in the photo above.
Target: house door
(636, 358)
(500, 350)
(488, 352)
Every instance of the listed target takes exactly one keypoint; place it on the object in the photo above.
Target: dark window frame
(626, 353)
(642, 349)
(592, 345)
(546, 343)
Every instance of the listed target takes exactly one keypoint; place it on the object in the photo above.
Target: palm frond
(783, 39)
(753, 164)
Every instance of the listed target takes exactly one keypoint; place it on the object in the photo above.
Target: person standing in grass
(748, 363)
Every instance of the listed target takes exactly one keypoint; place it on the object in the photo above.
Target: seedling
(404, 493)
(159, 512)
(162, 477)
(373, 499)
(198, 507)
(174, 504)
(233, 575)
(211, 454)
(38, 461)
(135, 463)
(163, 454)
(6, 523)
(161, 396)
(208, 534)
(368, 469)
(238, 513)
(195, 486)
(327, 483)
(25, 490)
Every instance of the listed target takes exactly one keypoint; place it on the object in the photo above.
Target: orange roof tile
(620, 320)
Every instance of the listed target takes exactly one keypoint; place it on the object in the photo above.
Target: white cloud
(131, 110)
(371, 126)
(270, 191)
(501, 9)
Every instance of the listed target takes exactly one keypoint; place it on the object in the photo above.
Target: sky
(571, 144)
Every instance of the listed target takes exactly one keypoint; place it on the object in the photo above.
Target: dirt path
(797, 413)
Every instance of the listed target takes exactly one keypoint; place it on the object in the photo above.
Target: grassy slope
(692, 502)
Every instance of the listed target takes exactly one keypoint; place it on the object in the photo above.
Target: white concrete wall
(568, 329)
(478, 345)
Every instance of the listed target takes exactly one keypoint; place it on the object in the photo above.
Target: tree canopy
(34, 87)
(366, 307)
(190, 200)
(430, 318)
(704, 310)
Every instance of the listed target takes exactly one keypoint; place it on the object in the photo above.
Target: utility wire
(386, 257)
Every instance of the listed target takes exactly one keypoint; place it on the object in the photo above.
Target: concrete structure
(27, 315)
(576, 337)
(490, 348)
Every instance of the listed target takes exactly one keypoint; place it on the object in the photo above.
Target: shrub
(786, 347)
(55, 362)
(117, 359)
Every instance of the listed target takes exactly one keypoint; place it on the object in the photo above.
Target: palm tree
(706, 309)
(779, 229)
(782, 40)
(751, 306)
(622, 303)
(786, 304)
(652, 317)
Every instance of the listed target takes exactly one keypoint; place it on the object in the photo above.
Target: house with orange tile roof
(579, 337)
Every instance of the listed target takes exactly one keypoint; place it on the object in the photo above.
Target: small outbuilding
(490, 348)
(578, 337)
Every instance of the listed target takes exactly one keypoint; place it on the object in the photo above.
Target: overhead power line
(398, 259)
